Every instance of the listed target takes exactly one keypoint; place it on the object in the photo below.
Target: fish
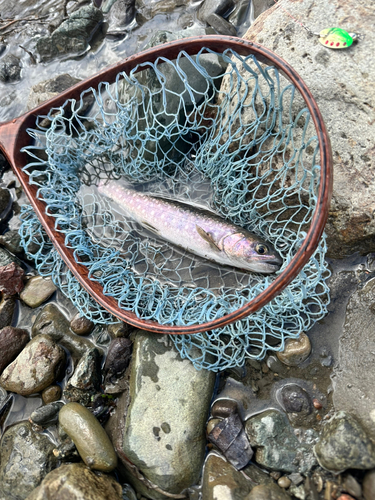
(197, 230)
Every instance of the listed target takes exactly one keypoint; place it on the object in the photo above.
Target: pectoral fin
(207, 237)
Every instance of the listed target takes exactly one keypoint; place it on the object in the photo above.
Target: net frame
(15, 138)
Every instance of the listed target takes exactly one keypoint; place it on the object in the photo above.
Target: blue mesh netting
(219, 131)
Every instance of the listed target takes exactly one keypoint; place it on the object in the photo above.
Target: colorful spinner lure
(337, 38)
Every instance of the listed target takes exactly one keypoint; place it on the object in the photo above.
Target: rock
(47, 89)
(51, 321)
(352, 486)
(120, 329)
(223, 408)
(284, 482)
(10, 68)
(88, 435)
(353, 380)
(369, 485)
(221, 480)
(344, 445)
(81, 325)
(212, 12)
(230, 438)
(11, 240)
(51, 394)
(72, 36)
(5, 203)
(25, 459)
(296, 350)
(37, 290)
(46, 415)
(86, 379)
(7, 305)
(7, 258)
(219, 24)
(77, 482)
(11, 279)
(39, 364)
(351, 224)
(147, 10)
(165, 441)
(211, 424)
(295, 399)
(121, 14)
(116, 363)
(277, 446)
(12, 341)
(267, 492)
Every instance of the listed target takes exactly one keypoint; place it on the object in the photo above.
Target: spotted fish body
(336, 38)
(198, 231)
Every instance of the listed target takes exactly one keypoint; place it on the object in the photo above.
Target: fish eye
(261, 249)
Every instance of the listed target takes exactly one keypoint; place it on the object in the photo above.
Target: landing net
(219, 131)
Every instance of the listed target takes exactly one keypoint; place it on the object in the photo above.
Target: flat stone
(221, 481)
(277, 446)
(349, 93)
(91, 440)
(296, 350)
(353, 374)
(72, 36)
(7, 258)
(11, 240)
(160, 424)
(76, 482)
(369, 485)
(37, 290)
(12, 341)
(10, 68)
(46, 415)
(343, 444)
(267, 492)
(26, 457)
(51, 321)
(38, 365)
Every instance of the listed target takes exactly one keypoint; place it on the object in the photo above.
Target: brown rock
(39, 364)
(77, 482)
(11, 279)
(12, 341)
(51, 394)
(81, 325)
(267, 492)
(296, 351)
(7, 305)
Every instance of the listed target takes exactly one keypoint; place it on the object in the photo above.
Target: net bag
(218, 130)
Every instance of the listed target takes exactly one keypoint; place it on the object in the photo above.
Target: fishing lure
(333, 38)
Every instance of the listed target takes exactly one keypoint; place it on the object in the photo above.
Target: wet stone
(91, 440)
(116, 363)
(277, 445)
(10, 68)
(12, 341)
(284, 482)
(11, 240)
(7, 258)
(46, 415)
(81, 325)
(51, 394)
(39, 364)
(352, 486)
(160, 423)
(296, 351)
(77, 482)
(5, 203)
(230, 437)
(86, 379)
(297, 403)
(121, 14)
(222, 481)
(344, 445)
(120, 329)
(72, 36)
(37, 290)
(11, 279)
(223, 408)
(369, 485)
(7, 306)
(267, 492)
(25, 458)
(51, 321)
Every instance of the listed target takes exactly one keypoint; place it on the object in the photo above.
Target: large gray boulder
(341, 81)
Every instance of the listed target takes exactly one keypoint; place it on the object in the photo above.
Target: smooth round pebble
(37, 290)
(284, 482)
(51, 394)
(345, 496)
(81, 325)
(296, 350)
(91, 440)
(223, 408)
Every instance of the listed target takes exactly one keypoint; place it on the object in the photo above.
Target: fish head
(252, 253)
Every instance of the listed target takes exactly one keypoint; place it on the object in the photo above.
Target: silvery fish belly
(196, 230)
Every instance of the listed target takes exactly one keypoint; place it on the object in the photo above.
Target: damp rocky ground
(110, 412)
